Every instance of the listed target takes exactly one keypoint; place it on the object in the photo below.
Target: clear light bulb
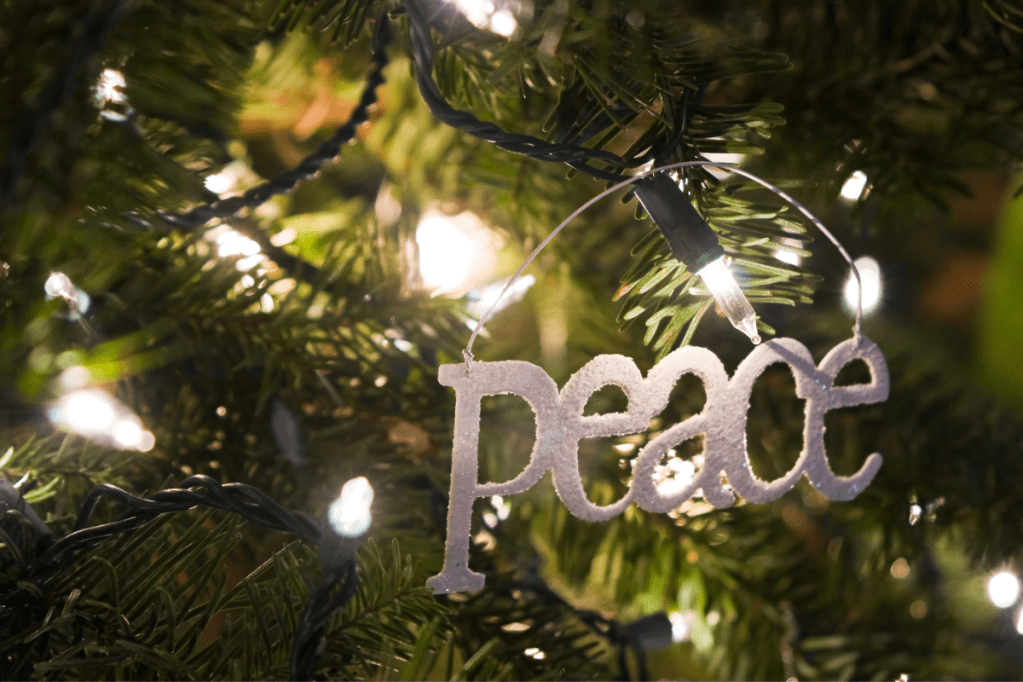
(349, 514)
(97, 415)
(1003, 589)
(729, 296)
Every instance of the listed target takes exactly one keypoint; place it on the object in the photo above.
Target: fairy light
(445, 252)
(694, 243)
(232, 243)
(74, 377)
(854, 186)
(870, 275)
(97, 415)
(349, 514)
(681, 625)
(1003, 589)
(59, 285)
(108, 87)
(729, 296)
(485, 14)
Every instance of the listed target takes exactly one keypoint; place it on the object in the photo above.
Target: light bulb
(873, 289)
(854, 185)
(729, 296)
(99, 416)
(1003, 589)
(681, 625)
(349, 514)
(445, 252)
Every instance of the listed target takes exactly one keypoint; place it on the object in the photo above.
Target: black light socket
(690, 238)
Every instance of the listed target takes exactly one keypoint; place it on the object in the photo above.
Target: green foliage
(1000, 329)
(909, 93)
(172, 601)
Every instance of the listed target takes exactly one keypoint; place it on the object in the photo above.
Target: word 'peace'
(560, 425)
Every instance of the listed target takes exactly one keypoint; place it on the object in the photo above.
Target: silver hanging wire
(731, 167)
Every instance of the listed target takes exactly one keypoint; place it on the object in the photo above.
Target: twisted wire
(337, 587)
(312, 164)
(248, 502)
(333, 592)
(517, 143)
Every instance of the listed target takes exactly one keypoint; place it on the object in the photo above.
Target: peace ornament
(560, 425)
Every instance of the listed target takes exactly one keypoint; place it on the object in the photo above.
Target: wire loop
(857, 334)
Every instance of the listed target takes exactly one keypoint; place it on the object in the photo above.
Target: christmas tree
(240, 238)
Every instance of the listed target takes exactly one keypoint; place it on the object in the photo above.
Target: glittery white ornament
(561, 424)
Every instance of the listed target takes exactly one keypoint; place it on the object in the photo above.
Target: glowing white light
(285, 236)
(349, 514)
(485, 14)
(681, 624)
(445, 252)
(99, 416)
(127, 432)
(503, 23)
(502, 508)
(729, 296)
(682, 468)
(88, 411)
(108, 87)
(1003, 589)
(854, 184)
(231, 243)
(146, 442)
(75, 377)
(870, 274)
(790, 257)
(402, 345)
(386, 207)
(228, 178)
(535, 653)
(220, 183)
(59, 285)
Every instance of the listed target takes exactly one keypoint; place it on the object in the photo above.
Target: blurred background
(151, 329)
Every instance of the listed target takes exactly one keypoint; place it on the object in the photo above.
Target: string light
(349, 514)
(108, 92)
(681, 625)
(729, 296)
(230, 179)
(108, 87)
(98, 416)
(694, 243)
(1003, 589)
(485, 14)
(870, 275)
(444, 252)
(455, 251)
(59, 285)
(232, 243)
(854, 186)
